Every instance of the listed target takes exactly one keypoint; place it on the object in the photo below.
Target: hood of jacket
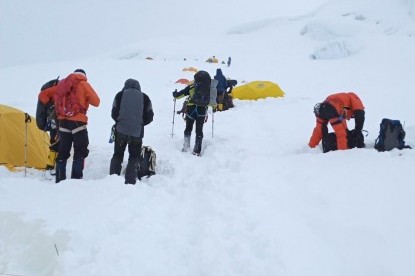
(132, 83)
(219, 72)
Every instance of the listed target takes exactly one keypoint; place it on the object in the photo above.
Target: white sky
(259, 201)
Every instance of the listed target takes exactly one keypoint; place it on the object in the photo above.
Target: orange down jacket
(345, 103)
(46, 95)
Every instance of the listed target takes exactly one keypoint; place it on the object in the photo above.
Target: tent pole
(27, 120)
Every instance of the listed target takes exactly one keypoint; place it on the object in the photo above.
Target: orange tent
(183, 81)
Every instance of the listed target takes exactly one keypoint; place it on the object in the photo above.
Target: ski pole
(27, 120)
(174, 112)
(213, 120)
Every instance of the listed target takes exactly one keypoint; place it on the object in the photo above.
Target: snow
(259, 201)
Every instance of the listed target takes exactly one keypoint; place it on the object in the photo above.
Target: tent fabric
(13, 137)
(191, 69)
(183, 81)
(212, 60)
(257, 90)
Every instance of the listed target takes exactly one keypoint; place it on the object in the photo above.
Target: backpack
(202, 89)
(66, 102)
(391, 135)
(45, 113)
(354, 140)
(213, 92)
(147, 162)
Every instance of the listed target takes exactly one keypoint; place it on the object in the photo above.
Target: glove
(311, 145)
(220, 107)
(175, 94)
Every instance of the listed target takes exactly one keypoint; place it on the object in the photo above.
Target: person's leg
(199, 135)
(65, 145)
(120, 144)
(134, 150)
(188, 134)
(80, 145)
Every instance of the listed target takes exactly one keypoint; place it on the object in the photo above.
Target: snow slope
(259, 201)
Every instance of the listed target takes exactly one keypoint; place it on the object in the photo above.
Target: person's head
(325, 111)
(132, 83)
(80, 71)
(200, 75)
(219, 72)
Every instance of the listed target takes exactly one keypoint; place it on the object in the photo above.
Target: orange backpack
(66, 102)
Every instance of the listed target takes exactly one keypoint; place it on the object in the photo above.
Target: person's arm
(359, 119)
(91, 95)
(182, 93)
(115, 111)
(148, 113)
(317, 133)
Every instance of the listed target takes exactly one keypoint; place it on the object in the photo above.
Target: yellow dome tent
(212, 60)
(257, 90)
(14, 152)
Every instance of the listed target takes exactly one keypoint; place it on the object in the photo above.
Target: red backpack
(66, 102)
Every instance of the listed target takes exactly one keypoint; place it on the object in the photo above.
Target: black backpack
(45, 113)
(147, 162)
(391, 136)
(355, 139)
(202, 83)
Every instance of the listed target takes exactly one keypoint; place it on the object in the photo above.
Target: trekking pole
(27, 120)
(213, 120)
(174, 112)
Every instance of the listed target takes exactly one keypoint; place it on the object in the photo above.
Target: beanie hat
(80, 71)
(325, 111)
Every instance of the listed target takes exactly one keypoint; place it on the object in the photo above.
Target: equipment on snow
(147, 162)
(355, 139)
(391, 135)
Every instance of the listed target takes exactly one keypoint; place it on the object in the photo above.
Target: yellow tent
(13, 136)
(212, 60)
(257, 90)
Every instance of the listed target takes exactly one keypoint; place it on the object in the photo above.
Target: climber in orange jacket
(336, 109)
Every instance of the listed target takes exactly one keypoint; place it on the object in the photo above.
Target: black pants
(76, 134)
(196, 114)
(121, 142)
(134, 150)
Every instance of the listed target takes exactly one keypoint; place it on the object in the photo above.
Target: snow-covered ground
(259, 201)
